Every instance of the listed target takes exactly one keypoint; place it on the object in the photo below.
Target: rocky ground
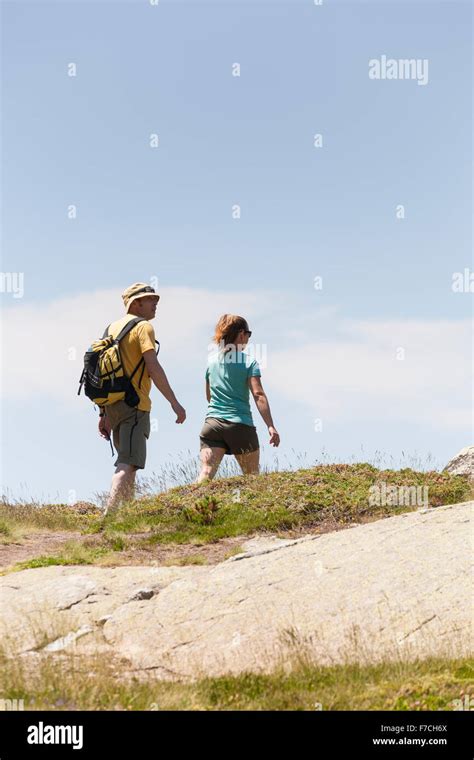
(395, 587)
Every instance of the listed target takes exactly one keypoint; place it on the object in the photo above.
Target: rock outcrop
(399, 587)
(462, 463)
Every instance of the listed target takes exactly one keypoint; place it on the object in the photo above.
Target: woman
(230, 377)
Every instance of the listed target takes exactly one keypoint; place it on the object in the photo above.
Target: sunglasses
(248, 332)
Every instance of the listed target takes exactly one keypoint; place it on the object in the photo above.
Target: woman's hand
(274, 436)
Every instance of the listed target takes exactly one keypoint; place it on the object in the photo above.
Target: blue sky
(305, 211)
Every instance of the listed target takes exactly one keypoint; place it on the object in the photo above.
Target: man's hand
(274, 436)
(179, 411)
(157, 374)
(104, 427)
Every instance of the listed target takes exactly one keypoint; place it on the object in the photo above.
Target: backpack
(103, 376)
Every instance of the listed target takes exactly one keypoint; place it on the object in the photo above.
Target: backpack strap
(142, 360)
(123, 332)
(143, 368)
(126, 328)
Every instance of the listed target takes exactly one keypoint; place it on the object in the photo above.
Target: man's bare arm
(208, 391)
(158, 376)
(261, 401)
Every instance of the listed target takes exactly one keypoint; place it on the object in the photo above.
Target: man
(131, 425)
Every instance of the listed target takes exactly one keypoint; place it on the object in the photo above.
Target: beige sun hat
(138, 290)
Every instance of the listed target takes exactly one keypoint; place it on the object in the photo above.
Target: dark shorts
(130, 431)
(234, 437)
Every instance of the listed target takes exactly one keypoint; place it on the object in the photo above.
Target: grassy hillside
(187, 523)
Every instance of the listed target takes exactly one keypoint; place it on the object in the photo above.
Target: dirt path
(44, 543)
(49, 543)
(35, 545)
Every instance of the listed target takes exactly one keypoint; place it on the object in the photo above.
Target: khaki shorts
(130, 432)
(234, 437)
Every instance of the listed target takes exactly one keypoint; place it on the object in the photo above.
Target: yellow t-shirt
(140, 338)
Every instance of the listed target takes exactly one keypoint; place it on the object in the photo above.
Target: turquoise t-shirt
(228, 375)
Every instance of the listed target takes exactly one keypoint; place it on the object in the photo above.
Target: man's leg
(131, 429)
(249, 463)
(211, 457)
(122, 488)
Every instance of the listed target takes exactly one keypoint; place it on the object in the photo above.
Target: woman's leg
(249, 463)
(211, 457)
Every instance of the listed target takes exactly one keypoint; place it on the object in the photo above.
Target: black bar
(153, 733)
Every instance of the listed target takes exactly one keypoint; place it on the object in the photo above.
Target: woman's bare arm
(261, 401)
